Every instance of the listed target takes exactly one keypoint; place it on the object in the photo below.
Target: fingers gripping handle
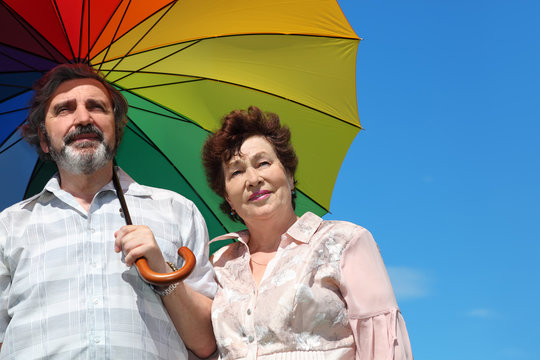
(149, 275)
(155, 278)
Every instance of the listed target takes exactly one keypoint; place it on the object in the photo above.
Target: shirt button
(91, 230)
(249, 311)
(96, 301)
(250, 338)
(97, 340)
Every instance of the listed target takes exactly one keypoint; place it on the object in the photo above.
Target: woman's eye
(236, 172)
(264, 163)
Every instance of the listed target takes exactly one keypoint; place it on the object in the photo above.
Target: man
(68, 289)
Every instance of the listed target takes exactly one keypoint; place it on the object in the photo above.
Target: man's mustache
(81, 130)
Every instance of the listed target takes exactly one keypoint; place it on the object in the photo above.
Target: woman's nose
(253, 177)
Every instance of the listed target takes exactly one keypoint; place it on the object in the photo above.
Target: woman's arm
(378, 327)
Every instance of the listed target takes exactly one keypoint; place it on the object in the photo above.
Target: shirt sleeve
(378, 327)
(195, 237)
(5, 283)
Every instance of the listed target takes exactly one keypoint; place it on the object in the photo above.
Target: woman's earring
(233, 213)
(293, 192)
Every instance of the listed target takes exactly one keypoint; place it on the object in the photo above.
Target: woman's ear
(290, 181)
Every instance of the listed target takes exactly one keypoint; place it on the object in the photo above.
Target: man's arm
(188, 309)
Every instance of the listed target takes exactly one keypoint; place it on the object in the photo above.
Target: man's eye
(264, 163)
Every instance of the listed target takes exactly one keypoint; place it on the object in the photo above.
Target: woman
(289, 287)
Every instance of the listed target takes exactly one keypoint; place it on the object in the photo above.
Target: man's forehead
(85, 87)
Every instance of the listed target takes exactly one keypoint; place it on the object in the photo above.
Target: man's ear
(43, 143)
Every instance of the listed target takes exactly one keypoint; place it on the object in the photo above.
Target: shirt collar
(302, 230)
(129, 186)
(305, 227)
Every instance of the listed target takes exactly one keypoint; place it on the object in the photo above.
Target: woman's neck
(265, 234)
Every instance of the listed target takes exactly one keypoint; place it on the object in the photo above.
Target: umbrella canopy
(183, 65)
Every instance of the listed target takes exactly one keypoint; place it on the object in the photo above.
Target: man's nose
(82, 116)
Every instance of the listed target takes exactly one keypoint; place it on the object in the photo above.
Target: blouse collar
(302, 230)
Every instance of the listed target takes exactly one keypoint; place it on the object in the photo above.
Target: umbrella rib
(115, 31)
(17, 94)
(287, 99)
(171, 83)
(152, 63)
(118, 27)
(39, 165)
(29, 53)
(12, 111)
(18, 60)
(180, 118)
(233, 35)
(11, 134)
(87, 56)
(15, 86)
(164, 108)
(243, 86)
(196, 41)
(314, 201)
(11, 145)
(119, 24)
(25, 25)
(151, 143)
(64, 29)
(81, 27)
(142, 37)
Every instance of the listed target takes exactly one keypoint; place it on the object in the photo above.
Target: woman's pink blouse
(325, 295)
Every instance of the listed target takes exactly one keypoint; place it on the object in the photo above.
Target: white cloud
(408, 283)
(480, 313)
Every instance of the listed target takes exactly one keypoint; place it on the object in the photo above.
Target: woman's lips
(259, 195)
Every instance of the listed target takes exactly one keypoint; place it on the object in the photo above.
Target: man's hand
(138, 241)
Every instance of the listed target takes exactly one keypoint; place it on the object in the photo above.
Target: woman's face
(256, 183)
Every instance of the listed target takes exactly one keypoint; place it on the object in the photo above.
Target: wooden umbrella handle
(155, 278)
(149, 275)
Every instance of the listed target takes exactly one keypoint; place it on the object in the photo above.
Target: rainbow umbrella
(183, 65)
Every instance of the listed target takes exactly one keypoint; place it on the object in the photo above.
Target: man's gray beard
(82, 162)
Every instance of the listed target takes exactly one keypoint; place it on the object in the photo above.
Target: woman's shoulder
(343, 227)
(345, 232)
(232, 244)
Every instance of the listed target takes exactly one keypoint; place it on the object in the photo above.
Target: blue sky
(446, 174)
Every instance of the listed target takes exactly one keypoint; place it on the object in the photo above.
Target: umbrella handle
(155, 278)
(149, 275)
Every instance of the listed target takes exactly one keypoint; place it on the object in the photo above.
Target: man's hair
(47, 85)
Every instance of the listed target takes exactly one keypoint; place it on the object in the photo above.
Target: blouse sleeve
(378, 327)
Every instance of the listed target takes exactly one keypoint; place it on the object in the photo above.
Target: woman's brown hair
(236, 127)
